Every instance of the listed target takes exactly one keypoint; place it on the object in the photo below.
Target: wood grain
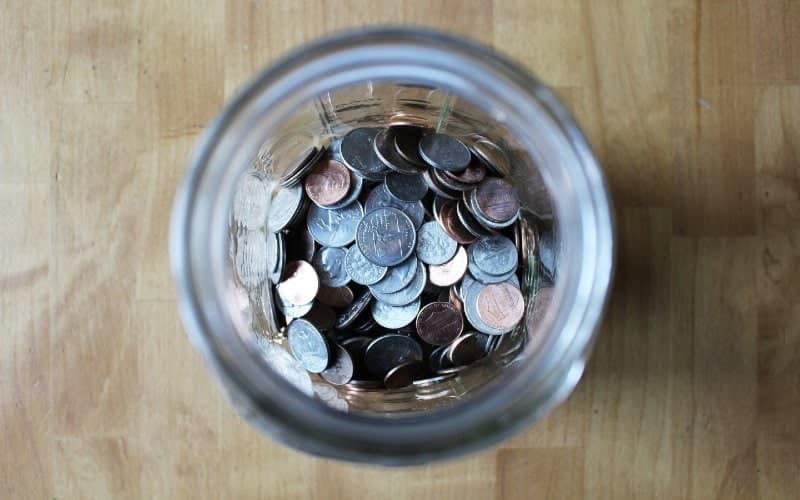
(694, 388)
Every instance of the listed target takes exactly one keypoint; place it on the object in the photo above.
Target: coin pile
(394, 256)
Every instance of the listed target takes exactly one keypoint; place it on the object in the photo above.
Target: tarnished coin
(335, 227)
(386, 236)
(284, 364)
(448, 218)
(360, 269)
(388, 154)
(500, 305)
(494, 254)
(497, 200)
(329, 264)
(338, 297)
(406, 142)
(389, 351)
(341, 368)
(444, 152)
(450, 272)
(401, 375)
(439, 323)
(328, 182)
(354, 310)
(408, 188)
(407, 294)
(251, 259)
(470, 223)
(308, 345)
(356, 187)
(394, 317)
(251, 201)
(359, 155)
(285, 206)
(380, 197)
(434, 246)
(465, 350)
(473, 174)
(438, 188)
(397, 277)
(300, 284)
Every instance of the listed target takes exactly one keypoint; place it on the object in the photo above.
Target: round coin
(500, 305)
(497, 200)
(406, 141)
(341, 369)
(356, 185)
(336, 227)
(401, 375)
(434, 246)
(470, 295)
(444, 152)
(439, 323)
(408, 188)
(397, 277)
(450, 272)
(407, 294)
(284, 208)
(300, 284)
(359, 155)
(308, 345)
(492, 156)
(494, 254)
(380, 197)
(354, 310)
(386, 236)
(360, 269)
(452, 226)
(388, 154)
(329, 264)
(473, 174)
(394, 317)
(292, 310)
(389, 351)
(328, 182)
(465, 350)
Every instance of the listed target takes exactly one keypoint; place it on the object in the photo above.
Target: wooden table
(694, 387)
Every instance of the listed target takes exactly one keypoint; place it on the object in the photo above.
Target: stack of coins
(393, 257)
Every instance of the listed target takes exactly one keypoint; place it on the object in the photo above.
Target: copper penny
(338, 297)
(452, 226)
(474, 173)
(450, 272)
(328, 182)
(439, 323)
(497, 199)
(301, 283)
(500, 305)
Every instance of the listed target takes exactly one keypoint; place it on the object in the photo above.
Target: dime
(386, 236)
(328, 182)
(439, 323)
(434, 246)
(300, 285)
(389, 351)
(341, 369)
(397, 277)
(336, 227)
(308, 345)
(329, 264)
(394, 317)
(360, 269)
(500, 305)
(494, 255)
(444, 152)
(450, 272)
(285, 206)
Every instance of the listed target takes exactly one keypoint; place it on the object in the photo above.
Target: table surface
(694, 387)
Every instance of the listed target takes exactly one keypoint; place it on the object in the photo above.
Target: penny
(328, 182)
(358, 153)
(341, 368)
(497, 200)
(388, 154)
(494, 254)
(401, 375)
(356, 186)
(321, 316)
(380, 197)
(451, 271)
(386, 236)
(284, 208)
(448, 184)
(251, 201)
(473, 174)
(308, 345)
(284, 364)
(470, 296)
(335, 227)
(444, 152)
(452, 226)
(353, 311)
(300, 284)
(500, 305)
(406, 142)
(397, 277)
(360, 269)
(251, 259)
(329, 264)
(439, 323)
(338, 297)
(465, 350)
(474, 209)
(408, 188)
(389, 351)
(407, 294)
(434, 246)
(394, 317)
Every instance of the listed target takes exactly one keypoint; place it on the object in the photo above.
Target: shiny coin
(360, 269)
(439, 323)
(300, 284)
(407, 294)
(285, 365)
(448, 218)
(500, 305)
(359, 155)
(487, 278)
(284, 208)
(292, 311)
(308, 345)
(276, 274)
(470, 295)
(465, 350)
(338, 297)
(388, 154)
(406, 142)
(380, 197)
(336, 227)
(492, 156)
(251, 259)
(472, 204)
(341, 369)
(401, 375)
(321, 316)
(444, 152)
(356, 186)
(389, 351)
(386, 236)
(473, 174)
(328, 182)
(272, 251)
(329, 264)
(434, 246)
(494, 254)
(397, 277)
(394, 317)
(251, 201)
(497, 200)
(408, 188)
(354, 310)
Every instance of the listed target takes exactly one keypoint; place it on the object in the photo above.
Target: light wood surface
(694, 387)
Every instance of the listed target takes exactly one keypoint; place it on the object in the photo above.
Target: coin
(401, 375)
(340, 296)
(434, 246)
(437, 359)
(473, 174)
(280, 259)
(450, 272)
(448, 184)
(356, 186)
(492, 155)
(300, 284)
(452, 226)
(308, 345)
(469, 222)
(386, 236)
(380, 197)
(438, 188)
(251, 201)
(284, 208)
(284, 364)
(329, 264)
(394, 317)
(470, 296)
(301, 162)
(272, 251)
(408, 188)
(397, 277)
(500, 305)
(465, 350)
(487, 278)
(388, 154)
(335, 227)
(494, 254)
(360, 269)
(352, 312)
(359, 155)
(251, 259)
(497, 200)
(431, 381)
(389, 351)
(548, 251)
(341, 369)
(444, 152)
(328, 182)
(406, 142)
(439, 323)
(292, 311)
(407, 294)
(321, 316)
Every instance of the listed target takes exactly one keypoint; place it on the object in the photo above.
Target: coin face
(329, 264)
(407, 188)
(359, 155)
(328, 182)
(284, 207)
(388, 154)
(406, 142)
(341, 368)
(386, 236)
(380, 197)
(434, 246)
(335, 227)
(497, 200)
(469, 293)
(407, 294)
(473, 174)
(394, 317)
(308, 345)
(451, 271)
(439, 323)
(356, 186)
(494, 254)
(389, 351)
(360, 269)
(444, 152)
(300, 284)
(500, 305)
(397, 277)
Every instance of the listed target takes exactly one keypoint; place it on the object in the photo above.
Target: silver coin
(470, 295)
(251, 201)
(386, 236)
(406, 142)
(354, 310)
(337, 227)
(284, 208)
(491, 155)
(356, 185)
(494, 254)
(469, 221)
(251, 258)
(308, 345)
(434, 246)
(329, 263)
(469, 280)
(293, 310)
(439, 189)
(548, 251)
(388, 351)
(385, 150)
(272, 252)
(408, 188)
(360, 269)
(407, 294)
(444, 152)
(380, 197)
(485, 277)
(286, 366)
(341, 368)
(394, 316)
(358, 153)
(280, 259)
(397, 277)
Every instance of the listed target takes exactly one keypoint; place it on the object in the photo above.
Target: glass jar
(375, 77)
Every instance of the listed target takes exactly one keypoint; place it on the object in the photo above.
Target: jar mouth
(511, 96)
